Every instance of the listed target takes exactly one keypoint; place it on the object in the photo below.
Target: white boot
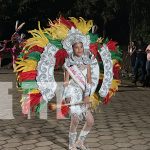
(72, 140)
(81, 139)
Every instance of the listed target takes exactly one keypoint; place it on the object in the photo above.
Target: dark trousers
(147, 78)
(140, 64)
(133, 60)
(148, 68)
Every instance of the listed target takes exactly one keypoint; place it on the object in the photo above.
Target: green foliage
(143, 30)
(139, 22)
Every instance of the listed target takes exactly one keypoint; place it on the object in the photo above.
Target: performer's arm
(66, 78)
(66, 82)
(89, 79)
(88, 84)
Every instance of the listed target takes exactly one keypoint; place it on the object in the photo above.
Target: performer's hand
(66, 84)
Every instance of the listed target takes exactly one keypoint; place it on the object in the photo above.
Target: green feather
(21, 55)
(35, 56)
(40, 107)
(26, 91)
(93, 37)
(57, 43)
(29, 84)
(106, 41)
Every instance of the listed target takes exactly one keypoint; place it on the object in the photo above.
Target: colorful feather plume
(27, 61)
(82, 25)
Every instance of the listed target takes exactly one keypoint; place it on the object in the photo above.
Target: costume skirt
(75, 94)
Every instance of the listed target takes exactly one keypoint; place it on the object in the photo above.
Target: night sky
(116, 29)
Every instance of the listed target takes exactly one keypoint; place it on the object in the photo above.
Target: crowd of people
(140, 61)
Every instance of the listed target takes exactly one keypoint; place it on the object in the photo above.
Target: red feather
(30, 75)
(34, 49)
(67, 23)
(94, 51)
(106, 99)
(60, 57)
(34, 100)
(116, 70)
(112, 45)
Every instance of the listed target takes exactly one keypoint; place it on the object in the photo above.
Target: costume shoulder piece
(48, 48)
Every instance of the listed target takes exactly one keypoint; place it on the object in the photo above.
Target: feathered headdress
(49, 47)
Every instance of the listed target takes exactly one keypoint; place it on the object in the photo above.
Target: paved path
(124, 124)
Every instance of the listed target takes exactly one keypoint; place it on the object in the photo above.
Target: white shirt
(148, 52)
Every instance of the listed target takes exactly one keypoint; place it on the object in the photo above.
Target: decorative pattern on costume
(108, 72)
(95, 72)
(74, 35)
(76, 97)
(45, 77)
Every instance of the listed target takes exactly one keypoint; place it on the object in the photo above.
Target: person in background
(140, 61)
(2, 48)
(147, 79)
(132, 53)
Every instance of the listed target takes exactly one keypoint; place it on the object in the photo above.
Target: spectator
(2, 48)
(140, 61)
(147, 80)
(132, 53)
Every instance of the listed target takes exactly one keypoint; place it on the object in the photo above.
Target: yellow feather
(114, 85)
(82, 25)
(22, 99)
(57, 30)
(94, 99)
(38, 38)
(34, 91)
(74, 20)
(26, 65)
(114, 61)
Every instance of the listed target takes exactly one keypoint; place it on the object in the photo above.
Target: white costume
(39, 67)
(73, 90)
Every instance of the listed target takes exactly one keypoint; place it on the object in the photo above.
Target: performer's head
(78, 49)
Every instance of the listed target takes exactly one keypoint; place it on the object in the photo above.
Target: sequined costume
(73, 90)
(36, 62)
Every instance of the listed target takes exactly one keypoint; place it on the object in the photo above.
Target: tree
(139, 22)
(136, 13)
(109, 12)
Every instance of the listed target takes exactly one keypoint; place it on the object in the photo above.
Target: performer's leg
(86, 129)
(73, 132)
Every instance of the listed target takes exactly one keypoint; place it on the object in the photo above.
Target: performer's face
(78, 49)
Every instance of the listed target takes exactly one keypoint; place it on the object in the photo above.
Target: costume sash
(76, 75)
